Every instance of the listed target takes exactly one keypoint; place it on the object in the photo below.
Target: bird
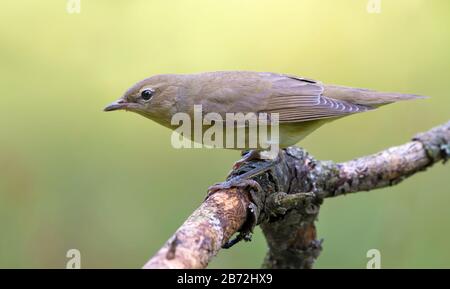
(301, 104)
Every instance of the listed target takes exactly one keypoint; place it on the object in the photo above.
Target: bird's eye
(147, 94)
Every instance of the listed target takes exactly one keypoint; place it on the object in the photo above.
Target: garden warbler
(302, 104)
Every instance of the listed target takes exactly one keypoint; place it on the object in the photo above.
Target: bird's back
(296, 99)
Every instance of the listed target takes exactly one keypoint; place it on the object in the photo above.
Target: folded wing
(298, 99)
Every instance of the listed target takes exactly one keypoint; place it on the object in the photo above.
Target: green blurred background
(112, 186)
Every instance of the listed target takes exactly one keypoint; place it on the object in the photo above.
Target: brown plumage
(302, 104)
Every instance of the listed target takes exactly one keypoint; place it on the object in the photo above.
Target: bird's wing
(298, 99)
(365, 97)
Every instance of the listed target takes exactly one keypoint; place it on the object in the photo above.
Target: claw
(246, 230)
(249, 156)
(247, 237)
(236, 182)
(253, 188)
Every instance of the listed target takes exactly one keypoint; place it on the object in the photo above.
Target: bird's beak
(116, 105)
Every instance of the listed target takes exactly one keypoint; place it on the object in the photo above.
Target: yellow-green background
(111, 185)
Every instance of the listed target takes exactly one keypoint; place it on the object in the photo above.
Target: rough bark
(204, 232)
(289, 200)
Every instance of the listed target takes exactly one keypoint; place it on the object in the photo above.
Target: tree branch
(288, 203)
(204, 232)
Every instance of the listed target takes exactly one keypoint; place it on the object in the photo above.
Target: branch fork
(285, 201)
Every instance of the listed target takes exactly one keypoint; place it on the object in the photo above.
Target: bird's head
(153, 97)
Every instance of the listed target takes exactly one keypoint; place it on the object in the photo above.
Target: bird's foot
(247, 157)
(241, 236)
(244, 180)
(251, 186)
(236, 182)
(246, 231)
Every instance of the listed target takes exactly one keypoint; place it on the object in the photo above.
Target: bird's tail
(366, 97)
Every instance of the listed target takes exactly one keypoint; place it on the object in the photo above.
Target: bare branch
(204, 232)
(289, 202)
(390, 166)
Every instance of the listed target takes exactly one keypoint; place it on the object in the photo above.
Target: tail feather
(366, 97)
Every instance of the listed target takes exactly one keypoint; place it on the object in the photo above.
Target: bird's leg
(246, 157)
(253, 187)
(245, 179)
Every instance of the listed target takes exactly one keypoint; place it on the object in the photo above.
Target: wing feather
(298, 99)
